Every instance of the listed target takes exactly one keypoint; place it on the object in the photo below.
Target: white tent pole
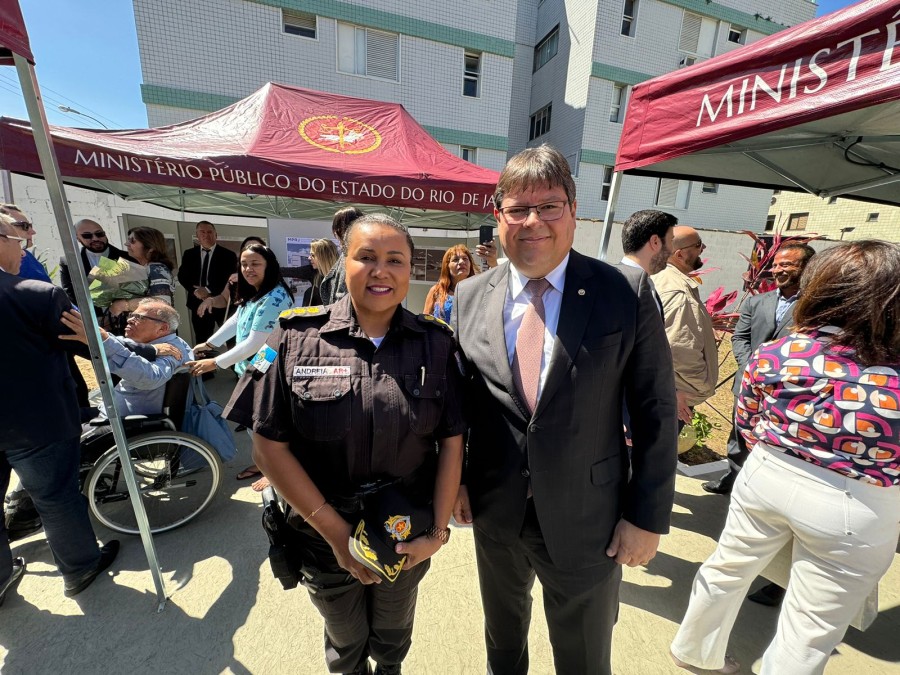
(50, 169)
(606, 232)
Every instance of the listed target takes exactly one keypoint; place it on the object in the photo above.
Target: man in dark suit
(40, 426)
(94, 245)
(764, 317)
(552, 344)
(203, 272)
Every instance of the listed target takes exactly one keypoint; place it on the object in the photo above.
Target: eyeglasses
(93, 235)
(22, 242)
(141, 317)
(23, 225)
(699, 244)
(518, 214)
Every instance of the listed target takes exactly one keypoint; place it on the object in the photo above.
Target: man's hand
(462, 510)
(631, 545)
(684, 410)
(165, 349)
(488, 251)
(418, 550)
(201, 293)
(72, 320)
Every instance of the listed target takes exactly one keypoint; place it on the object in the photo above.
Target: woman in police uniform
(360, 394)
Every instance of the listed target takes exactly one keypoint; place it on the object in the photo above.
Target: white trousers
(843, 532)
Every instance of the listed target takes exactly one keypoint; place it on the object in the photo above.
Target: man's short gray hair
(158, 309)
(7, 224)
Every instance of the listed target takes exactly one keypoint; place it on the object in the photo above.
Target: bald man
(94, 245)
(689, 326)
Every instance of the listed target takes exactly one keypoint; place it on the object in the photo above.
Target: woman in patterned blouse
(821, 412)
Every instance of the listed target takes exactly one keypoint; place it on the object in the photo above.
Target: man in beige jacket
(689, 326)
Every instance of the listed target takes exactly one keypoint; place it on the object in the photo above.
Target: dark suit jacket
(65, 277)
(755, 326)
(223, 265)
(610, 346)
(40, 406)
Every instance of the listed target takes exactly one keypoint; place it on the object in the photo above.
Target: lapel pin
(580, 291)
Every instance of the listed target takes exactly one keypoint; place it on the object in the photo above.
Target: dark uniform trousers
(574, 600)
(352, 633)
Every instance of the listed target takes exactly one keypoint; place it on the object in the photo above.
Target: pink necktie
(526, 364)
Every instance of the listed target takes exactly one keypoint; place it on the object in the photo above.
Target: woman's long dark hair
(271, 278)
(154, 243)
(855, 286)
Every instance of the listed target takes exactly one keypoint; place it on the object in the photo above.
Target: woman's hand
(202, 348)
(201, 367)
(118, 307)
(418, 550)
(205, 307)
(338, 537)
(165, 349)
(488, 251)
(233, 279)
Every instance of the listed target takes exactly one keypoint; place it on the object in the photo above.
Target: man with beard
(647, 243)
(94, 245)
(688, 325)
(764, 317)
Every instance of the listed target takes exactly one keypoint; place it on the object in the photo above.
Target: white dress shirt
(94, 258)
(517, 301)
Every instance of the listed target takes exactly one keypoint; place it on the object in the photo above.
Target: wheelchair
(177, 474)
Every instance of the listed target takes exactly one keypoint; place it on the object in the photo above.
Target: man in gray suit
(551, 345)
(764, 317)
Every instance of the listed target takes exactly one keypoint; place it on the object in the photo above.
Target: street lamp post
(67, 109)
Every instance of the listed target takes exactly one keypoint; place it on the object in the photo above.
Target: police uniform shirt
(352, 412)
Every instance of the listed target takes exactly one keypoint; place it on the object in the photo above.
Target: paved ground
(228, 614)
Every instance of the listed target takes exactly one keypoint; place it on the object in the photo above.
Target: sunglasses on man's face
(93, 235)
(23, 225)
(134, 316)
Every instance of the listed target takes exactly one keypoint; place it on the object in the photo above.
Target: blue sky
(87, 59)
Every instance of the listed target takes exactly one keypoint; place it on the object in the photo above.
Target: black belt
(356, 502)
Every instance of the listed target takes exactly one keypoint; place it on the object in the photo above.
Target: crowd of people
(538, 401)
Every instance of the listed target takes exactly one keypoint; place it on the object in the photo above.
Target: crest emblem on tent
(344, 135)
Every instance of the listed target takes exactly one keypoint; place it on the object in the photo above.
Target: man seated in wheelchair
(145, 359)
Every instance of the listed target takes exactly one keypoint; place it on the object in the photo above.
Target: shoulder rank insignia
(434, 321)
(289, 314)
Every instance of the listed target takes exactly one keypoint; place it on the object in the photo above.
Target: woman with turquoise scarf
(262, 296)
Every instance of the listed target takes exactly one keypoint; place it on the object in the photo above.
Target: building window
(468, 153)
(832, 200)
(797, 221)
(368, 52)
(710, 188)
(471, 74)
(770, 223)
(629, 18)
(546, 48)
(698, 36)
(540, 122)
(872, 218)
(299, 23)
(607, 183)
(617, 107)
(737, 35)
(672, 193)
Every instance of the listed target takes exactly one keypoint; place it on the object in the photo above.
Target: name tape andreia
(808, 75)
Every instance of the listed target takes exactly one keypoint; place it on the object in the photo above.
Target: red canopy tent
(16, 50)
(815, 107)
(280, 141)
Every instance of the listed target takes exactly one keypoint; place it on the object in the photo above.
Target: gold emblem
(397, 527)
(343, 135)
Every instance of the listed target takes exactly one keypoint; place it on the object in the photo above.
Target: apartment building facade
(485, 77)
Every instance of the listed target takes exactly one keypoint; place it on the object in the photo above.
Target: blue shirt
(32, 269)
(260, 315)
(784, 306)
(143, 385)
(444, 312)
